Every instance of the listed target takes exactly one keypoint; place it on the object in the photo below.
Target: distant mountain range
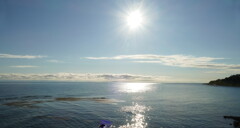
(233, 80)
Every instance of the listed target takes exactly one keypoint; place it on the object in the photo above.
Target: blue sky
(179, 41)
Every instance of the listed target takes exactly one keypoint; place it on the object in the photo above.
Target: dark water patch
(36, 97)
(78, 98)
(51, 117)
(28, 104)
(9, 98)
(96, 99)
(31, 97)
(68, 99)
(22, 104)
(31, 102)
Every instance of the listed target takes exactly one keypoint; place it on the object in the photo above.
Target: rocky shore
(236, 120)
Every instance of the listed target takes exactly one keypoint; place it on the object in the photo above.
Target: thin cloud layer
(83, 77)
(23, 66)
(173, 60)
(20, 56)
(55, 61)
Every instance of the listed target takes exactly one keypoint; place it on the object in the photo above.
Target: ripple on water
(137, 119)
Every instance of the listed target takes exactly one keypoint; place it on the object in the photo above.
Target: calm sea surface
(126, 105)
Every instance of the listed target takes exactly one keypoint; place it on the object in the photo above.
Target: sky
(82, 40)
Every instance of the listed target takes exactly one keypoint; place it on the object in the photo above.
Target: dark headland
(233, 80)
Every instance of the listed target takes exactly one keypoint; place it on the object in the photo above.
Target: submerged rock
(67, 99)
(96, 99)
(29, 104)
(22, 102)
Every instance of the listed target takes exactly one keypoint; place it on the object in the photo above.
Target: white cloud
(54, 61)
(225, 71)
(173, 60)
(139, 56)
(84, 77)
(23, 66)
(20, 56)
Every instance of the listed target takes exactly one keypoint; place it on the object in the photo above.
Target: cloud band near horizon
(83, 77)
(12, 56)
(173, 60)
(24, 66)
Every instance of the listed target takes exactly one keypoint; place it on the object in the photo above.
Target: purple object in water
(106, 123)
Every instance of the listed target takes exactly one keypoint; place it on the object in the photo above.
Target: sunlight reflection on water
(137, 118)
(135, 87)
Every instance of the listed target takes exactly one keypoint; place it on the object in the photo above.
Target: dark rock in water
(232, 117)
(233, 80)
(236, 122)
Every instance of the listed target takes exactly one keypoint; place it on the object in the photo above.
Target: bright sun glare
(134, 19)
(135, 87)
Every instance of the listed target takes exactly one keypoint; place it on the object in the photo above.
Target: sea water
(126, 105)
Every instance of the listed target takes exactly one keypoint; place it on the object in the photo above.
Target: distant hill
(233, 80)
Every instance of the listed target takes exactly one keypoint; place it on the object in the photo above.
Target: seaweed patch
(32, 101)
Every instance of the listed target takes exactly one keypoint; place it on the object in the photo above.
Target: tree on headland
(233, 80)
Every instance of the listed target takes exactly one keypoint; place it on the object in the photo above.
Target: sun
(134, 19)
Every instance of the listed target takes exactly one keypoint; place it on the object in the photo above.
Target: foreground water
(126, 105)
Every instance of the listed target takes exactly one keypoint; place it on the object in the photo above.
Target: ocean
(125, 105)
